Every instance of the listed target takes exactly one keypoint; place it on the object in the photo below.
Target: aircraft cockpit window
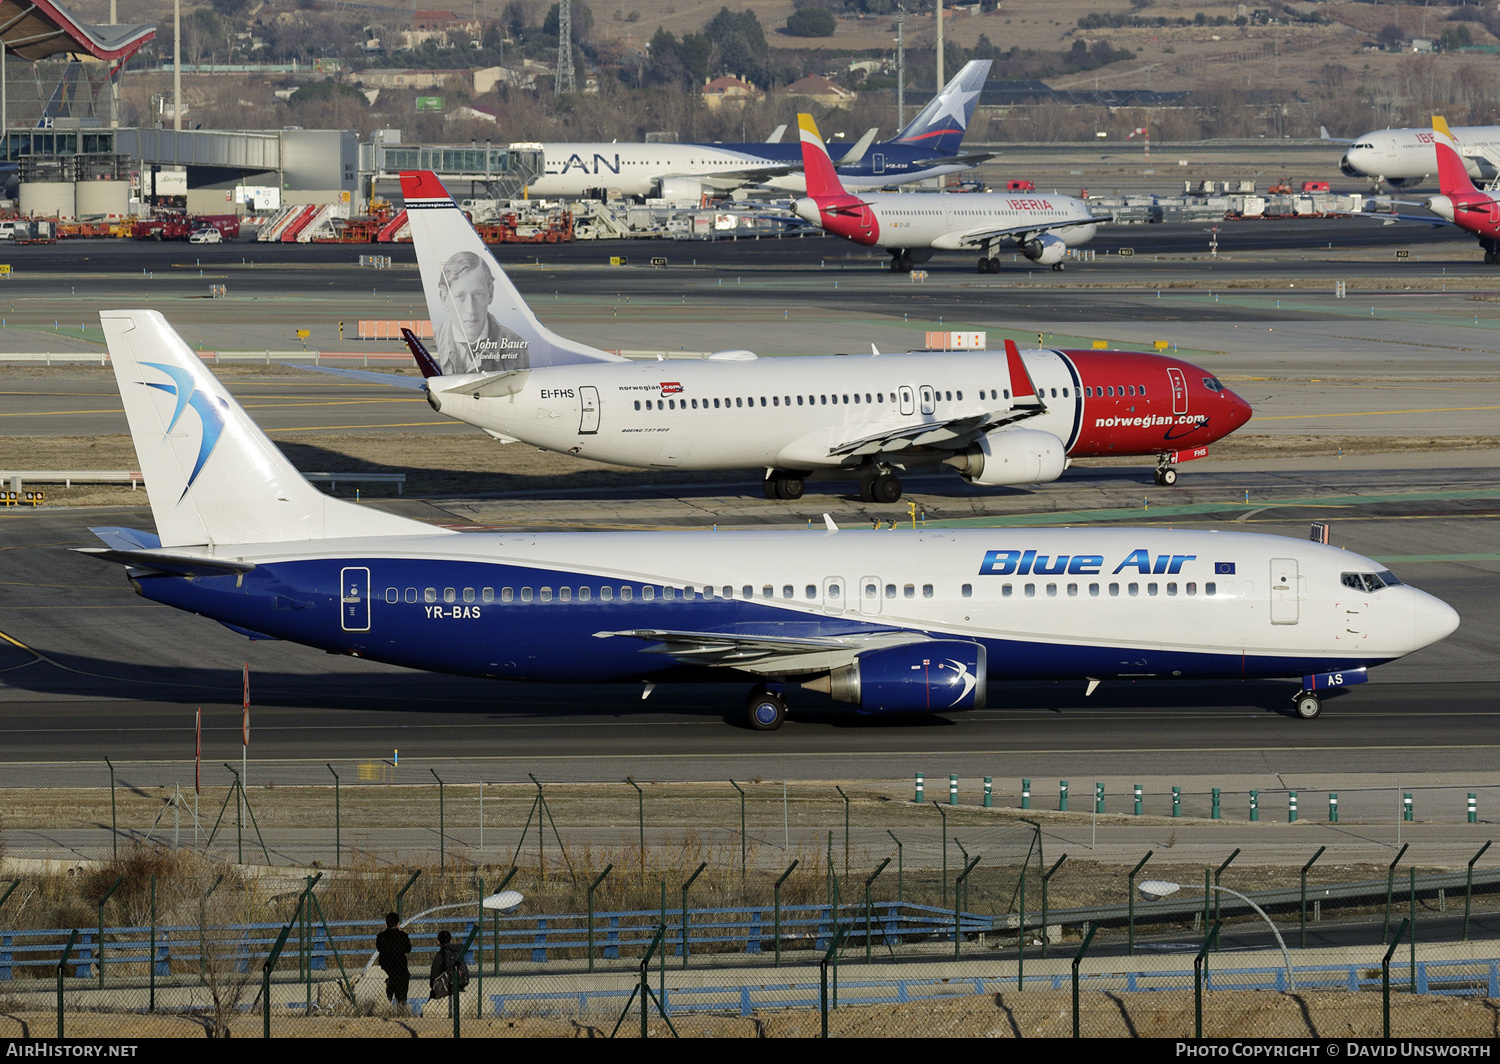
(1370, 582)
(1212, 384)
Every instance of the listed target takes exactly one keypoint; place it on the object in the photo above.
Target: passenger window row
(651, 593)
(1131, 589)
(853, 398)
(1114, 391)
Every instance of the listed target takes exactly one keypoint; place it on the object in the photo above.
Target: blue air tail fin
(941, 125)
(212, 475)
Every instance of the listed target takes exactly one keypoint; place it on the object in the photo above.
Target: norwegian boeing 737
(890, 622)
(998, 418)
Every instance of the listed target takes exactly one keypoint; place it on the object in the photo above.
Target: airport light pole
(1156, 890)
(900, 20)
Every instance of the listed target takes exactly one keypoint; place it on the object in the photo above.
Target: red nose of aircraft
(1239, 410)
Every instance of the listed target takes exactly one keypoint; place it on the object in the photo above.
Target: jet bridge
(493, 172)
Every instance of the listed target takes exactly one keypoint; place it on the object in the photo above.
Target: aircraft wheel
(1166, 477)
(885, 488)
(906, 264)
(790, 487)
(865, 492)
(895, 264)
(1308, 706)
(984, 265)
(1489, 258)
(1058, 267)
(772, 487)
(766, 709)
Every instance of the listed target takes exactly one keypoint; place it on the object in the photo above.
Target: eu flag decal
(1223, 568)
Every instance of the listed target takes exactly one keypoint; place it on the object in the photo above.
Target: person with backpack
(448, 975)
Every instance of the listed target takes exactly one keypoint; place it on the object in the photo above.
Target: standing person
(392, 946)
(448, 974)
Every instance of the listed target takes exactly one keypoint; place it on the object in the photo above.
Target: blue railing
(542, 939)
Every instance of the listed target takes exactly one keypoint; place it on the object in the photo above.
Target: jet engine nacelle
(679, 188)
(1045, 250)
(1347, 168)
(1404, 182)
(1012, 456)
(934, 676)
(1441, 206)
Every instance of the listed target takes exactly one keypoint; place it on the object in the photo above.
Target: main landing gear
(901, 262)
(988, 265)
(1491, 251)
(766, 707)
(781, 484)
(881, 487)
(1308, 705)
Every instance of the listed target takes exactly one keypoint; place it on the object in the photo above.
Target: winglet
(822, 178)
(1440, 124)
(828, 523)
(1020, 380)
(425, 362)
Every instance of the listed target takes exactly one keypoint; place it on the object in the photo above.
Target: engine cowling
(1045, 250)
(1441, 206)
(1403, 182)
(679, 188)
(1012, 456)
(926, 677)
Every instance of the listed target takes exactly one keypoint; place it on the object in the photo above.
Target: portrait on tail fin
(469, 339)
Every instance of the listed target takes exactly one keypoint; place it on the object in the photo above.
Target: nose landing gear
(1308, 705)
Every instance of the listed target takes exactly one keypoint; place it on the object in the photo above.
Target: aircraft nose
(1433, 620)
(1239, 410)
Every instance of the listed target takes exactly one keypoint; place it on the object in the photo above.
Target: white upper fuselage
(714, 414)
(1406, 155)
(574, 169)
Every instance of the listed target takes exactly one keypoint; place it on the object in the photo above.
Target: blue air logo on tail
(208, 408)
(941, 125)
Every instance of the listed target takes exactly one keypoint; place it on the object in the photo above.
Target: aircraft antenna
(564, 80)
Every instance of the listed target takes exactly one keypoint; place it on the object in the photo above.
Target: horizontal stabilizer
(392, 379)
(180, 564)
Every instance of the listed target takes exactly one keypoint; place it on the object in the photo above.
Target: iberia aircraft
(914, 225)
(895, 622)
(997, 417)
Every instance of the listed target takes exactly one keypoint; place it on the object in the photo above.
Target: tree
(581, 19)
(811, 22)
(1390, 36)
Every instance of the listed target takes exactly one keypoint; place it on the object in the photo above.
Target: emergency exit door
(1284, 588)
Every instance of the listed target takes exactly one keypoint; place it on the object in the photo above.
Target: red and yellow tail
(822, 178)
(1453, 175)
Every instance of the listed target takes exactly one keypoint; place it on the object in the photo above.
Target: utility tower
(564, 80)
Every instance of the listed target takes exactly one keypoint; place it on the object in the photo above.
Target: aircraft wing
(415, 384)
(1387, 218)
(968, 158)
(977, 236)
(162, 562)
(764, 654)
(729, 180)
(943, 435)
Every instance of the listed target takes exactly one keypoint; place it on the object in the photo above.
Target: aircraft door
(588, 422)
(1284, 588)
(908, 400)
(354, 598)
(1179, 390)
(833, 594)
(929, 399)
(869, 595)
